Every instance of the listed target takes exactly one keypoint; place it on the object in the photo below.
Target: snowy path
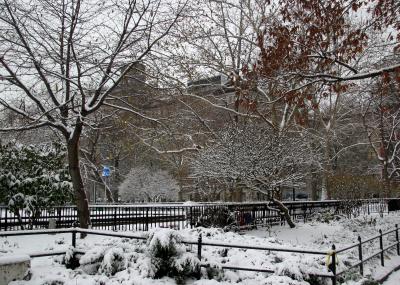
(394, 279)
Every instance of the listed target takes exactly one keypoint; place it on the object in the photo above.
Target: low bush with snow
(114, 260)
(168, 256)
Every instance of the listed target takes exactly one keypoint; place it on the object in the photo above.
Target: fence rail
(145, 217)
(332, 274)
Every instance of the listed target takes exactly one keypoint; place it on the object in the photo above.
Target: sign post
(106, 173)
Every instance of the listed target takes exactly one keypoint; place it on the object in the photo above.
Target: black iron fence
(177, 216)
(332, 272)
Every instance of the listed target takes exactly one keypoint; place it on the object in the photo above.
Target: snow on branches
(144, 184)
(253, 157)
(33, 178)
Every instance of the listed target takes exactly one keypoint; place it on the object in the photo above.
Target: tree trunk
(386, 181)
(81, 200)
(325, 191)
(109, 194)
(324, 186)
(314, 185)
(19, 218)
(117, 179)
(285, 212)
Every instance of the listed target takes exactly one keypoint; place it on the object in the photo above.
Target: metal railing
(177, 216)
(333, 274)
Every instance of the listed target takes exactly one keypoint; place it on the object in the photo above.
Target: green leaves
(33, 177)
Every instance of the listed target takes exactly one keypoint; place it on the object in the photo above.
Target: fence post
(360, 256)
(397, 239)
(74, 238)
(381, 246)
(199, 241)
(333, 264)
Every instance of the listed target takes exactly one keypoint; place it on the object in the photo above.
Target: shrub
(326, 216)
(218, 217)
(70, 259)
(169, 258)
(114, 260)
(90, 262)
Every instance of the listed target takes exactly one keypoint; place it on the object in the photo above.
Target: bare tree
(255, 158)
(66, 58)
(381, 119)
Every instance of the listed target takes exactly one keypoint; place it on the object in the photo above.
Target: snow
(135, 262)
(15, 258)
(302, 234)
(393, 279)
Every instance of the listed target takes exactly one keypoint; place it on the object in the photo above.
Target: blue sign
(106, 171)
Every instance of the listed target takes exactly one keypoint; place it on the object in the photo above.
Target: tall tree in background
(317, 51)
(63, 59)
(381, 119)
(330, 42)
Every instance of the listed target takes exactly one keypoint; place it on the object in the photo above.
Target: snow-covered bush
(217, 217)
(70, 260)
(144, 184)
(326, 216)
(104, 260)
(91, 261)
(114, 260)
(168, 256)
(298, 268)
(164, 245)
(33, 178)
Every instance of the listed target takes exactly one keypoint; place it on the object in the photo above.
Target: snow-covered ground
(394, 279)
(290, 268)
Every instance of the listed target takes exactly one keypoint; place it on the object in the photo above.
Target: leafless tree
(381, 119)
(255, 158)
(65, 58)
(143, 184)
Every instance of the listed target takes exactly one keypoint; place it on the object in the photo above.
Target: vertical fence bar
(381, 247)
(74, 238)
(360, 256)
(334, 264)
(115, 219)
(147, 219)
(397, 239)
(6, 220)
(137, 217)
(191, 217)
(199, 243)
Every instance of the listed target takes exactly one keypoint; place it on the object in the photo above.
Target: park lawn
(290, 268)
